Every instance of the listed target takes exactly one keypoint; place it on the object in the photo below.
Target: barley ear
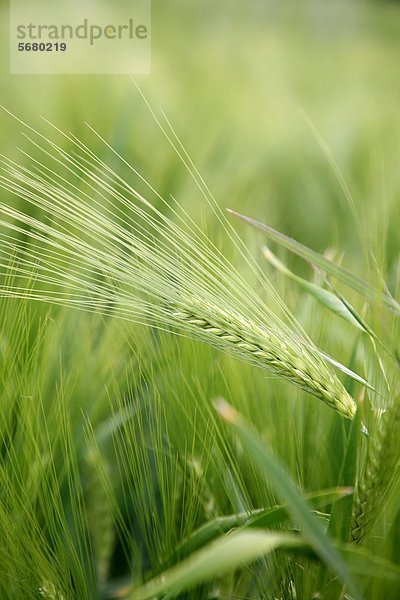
(375, 483)
(275, 349)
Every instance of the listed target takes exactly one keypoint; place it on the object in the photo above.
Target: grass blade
(259, 518)
(324, 297)
(365, 564)
(340, 521)
(285, 489)
(357, 284)
(216, 559)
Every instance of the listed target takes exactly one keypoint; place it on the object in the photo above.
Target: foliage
(118, 478)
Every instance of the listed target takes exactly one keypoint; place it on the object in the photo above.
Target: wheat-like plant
(377, 475)
(100, 245)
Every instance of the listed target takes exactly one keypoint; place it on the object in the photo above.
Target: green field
(167, 423)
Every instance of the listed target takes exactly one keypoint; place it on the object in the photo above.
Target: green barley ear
(48, 591)
(271, 348)
(376, 482)
(102, 246)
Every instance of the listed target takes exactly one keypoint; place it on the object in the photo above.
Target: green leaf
(218, 558)
(361, 322)
(346, 370)
(359, 285)
(340, 520)
(324, 297)
(285, 489)
(259, 518)
(364, 564)
(239, 548)
(336, 304)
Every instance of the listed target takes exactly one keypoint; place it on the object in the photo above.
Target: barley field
(200, 310)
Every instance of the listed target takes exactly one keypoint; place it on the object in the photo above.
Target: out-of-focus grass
(232, 81)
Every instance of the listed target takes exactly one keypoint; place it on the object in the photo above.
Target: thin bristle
(108, 249)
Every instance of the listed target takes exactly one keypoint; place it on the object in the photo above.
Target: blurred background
(241, 83)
